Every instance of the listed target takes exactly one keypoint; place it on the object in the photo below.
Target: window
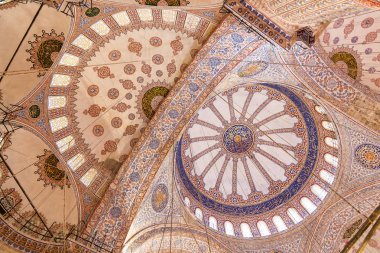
(327, 176)
(331, 160)
(58, 123)
(187, 202)
(279, 223)
(199, 214)
(328, 125)
(83, 42)
(294, 215)
(246, 230)
(75, 162)
(89, 177)
(69, 60)
(55, 102)
(331, 142)
(100, 28)
(229, 228)
(320, 109)
(213, 223)
(318, 191)
(263, 228)
(60, 80)
(65, 143)
(308, 205)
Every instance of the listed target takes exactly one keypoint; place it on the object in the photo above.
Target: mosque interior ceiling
(190, 126)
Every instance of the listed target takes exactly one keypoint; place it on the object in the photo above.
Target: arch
(199, 214)
(330, 159)
(327, 176)
(328, 125)
(263, 228)
(229, 228)
(213, 223)
(331, 142)
(245, 230)
(294, 215)
(279, 223)
(308, 205)
(318, 191)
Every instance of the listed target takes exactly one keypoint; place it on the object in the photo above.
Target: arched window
(199, 214)
(229, 228)
(65, 143)
(55, 102)
(318, 191)
(263, 228)
(331, 142)
(213, 223)
(320, 109)
(89, 177)
(187, 201)
(294, 215)
(308, 205)
(328, 125)
(246, 230)
(327, 176)
(331, 160)
(58, 123)
(279, 223)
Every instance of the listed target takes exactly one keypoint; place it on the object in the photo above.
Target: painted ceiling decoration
(189, 126)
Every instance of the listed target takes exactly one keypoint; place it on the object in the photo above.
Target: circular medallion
(160, 198)
(368, 155)
(92, 12)
(238, 139)
(150, 97)
(34, 111)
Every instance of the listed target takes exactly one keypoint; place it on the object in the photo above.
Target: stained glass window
(65, 143)
(60, 80)
(56, 102)
(69, 60)
(83, 42)
(76, 161)
(100, 28)
(213, 223)
(229, 228)
(58, 123)
(122, 18)
(89, 176)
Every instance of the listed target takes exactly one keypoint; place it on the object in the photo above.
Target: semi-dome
(258, 157)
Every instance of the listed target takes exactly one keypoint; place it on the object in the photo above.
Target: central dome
(238, 139)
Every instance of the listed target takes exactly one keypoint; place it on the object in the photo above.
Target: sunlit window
(320, 109)
(145, 14)
(318, 191)
(328, 125)
(229, 228)
(58, 123)
(122, 18)
(331, 142)
(327, 176)
(308, 205)
(76, 161)
(100, 28)
(187, 201)
(65, 143)
(294, 215)
(279, 223)
(263, 228)
(69, 60)
(89, 176)
(55, 102)
(246, 230)
(60, 80)
(82, 42)
(213, 223)
(331, 160)
(199, 214)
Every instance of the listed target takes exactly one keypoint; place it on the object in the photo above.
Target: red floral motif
(114, 55)
(157, 59)
(113, 93)
(121, 107)
(93, 90)
(159, 73)
(348, 29)
(94, 110)
(129, 69)
(134, 47)
(116, 122)
(171, 68)
(104, 72)
(98, 130)
(146, 69)
(370, 37)
(376, 82)
(326, 38)
(338, 23)
(155, 41)
(133, 142)
(140, 79)
(131, 116)
(176, 45)
(131, 129)
(367, 23)
(109, 146)
(128, 84)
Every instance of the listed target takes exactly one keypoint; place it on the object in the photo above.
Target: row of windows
(279, 223)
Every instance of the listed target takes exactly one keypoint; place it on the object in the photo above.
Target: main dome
(252, 150)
